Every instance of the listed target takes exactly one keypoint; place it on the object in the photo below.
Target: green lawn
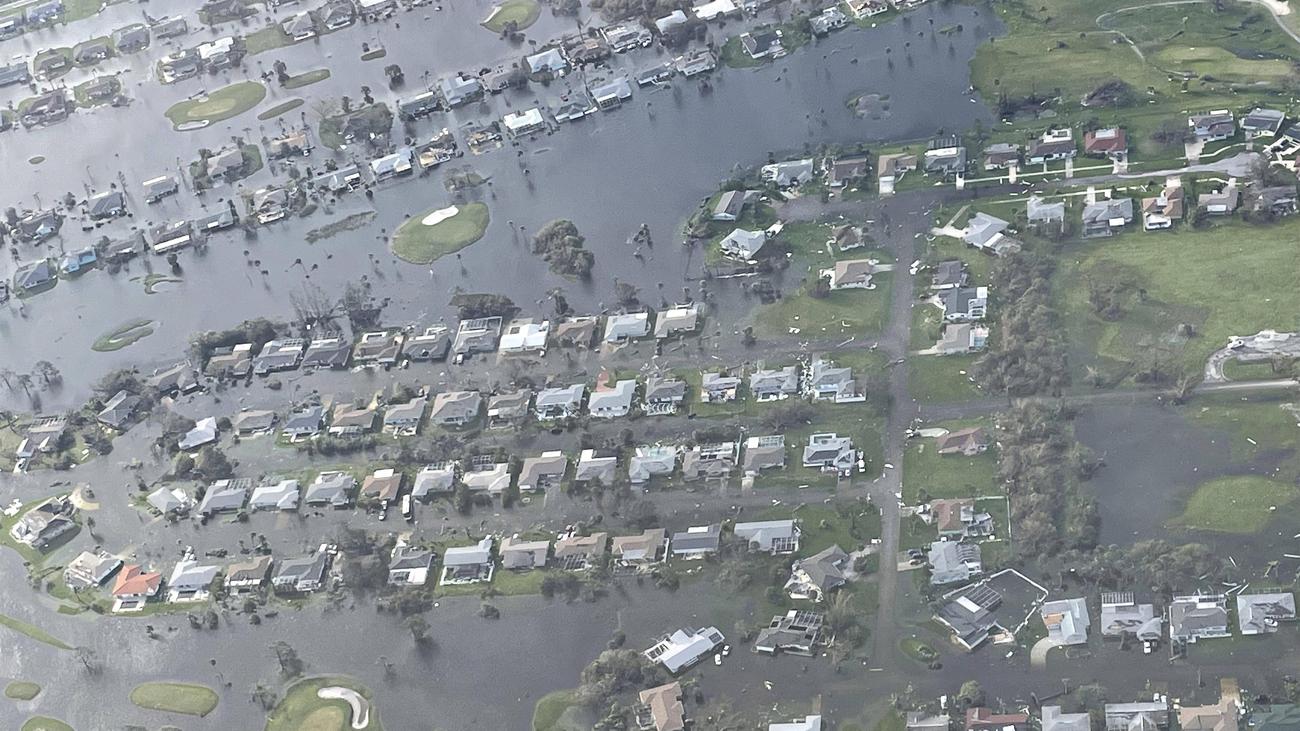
(552, 711)
(947, 475)
(34, 632)
(942, 378)
(1242, 504)
(267, 39)
(45, 723)
(840, 314)
(279, 109)
(302, 710)
(1255, 429)
(420, 244)
(522, 13)
(123, 336)
(1262, 370)
(1172, 279)
(22, 691)
(306, 78)
(222, 104)
(186, 698)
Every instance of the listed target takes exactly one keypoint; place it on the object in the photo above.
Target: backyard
(1241, 504)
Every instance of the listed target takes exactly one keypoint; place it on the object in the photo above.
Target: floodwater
(651, 161)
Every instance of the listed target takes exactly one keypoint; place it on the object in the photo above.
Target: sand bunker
(440, 215)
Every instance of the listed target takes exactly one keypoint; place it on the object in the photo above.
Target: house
(232, 361)
(969, 441)
(1163, 210)
(949, 274)
(350, 421)
(1001, 155)
(1222, 716)
(279, 355)
(842, 171)
(526, 122)
(1054, 720)
(1106, 217)
(432, 344)
(248, 576)
(1054, 144)
(340, 180)
(715, 9)
(829, 382)
(847, 238)
(434, 478)
(816, 576)
(409, 565)
(945, 157)
(1042, 213)
(479, 335)
(204, 432)
(679, 319)
(526, 336)
(982, 230)
(611, 94)
(1259, 614)
(337, 15)
(282, 495)
(455, 408)
(651, 461)
(867, 8)
(34, 275)
(506, 409)
(576, 331)
(718, 387)
(133, 587)
(299, 27)
(90, 570)
(742, 245)
(119, 410)
(672, 20)
(577, 553)
(763, 453)
(562, 402)
(762, 44)
(394, 165)
(621, 328)
(460, 89)
(920, 721)
(830, 452)
(1275, 717)
(106, 205)
(1140, 716)
(649, 547)
(696, 542)
(225, 164)
(1193, 618)
(1220, 202)
(1278, 200)
(47, 108)
(412, 108)
(382, 485)
(304, 422)
(953, 561)
(731, 204)
(684, 648)
(851, 274)
(468, 564)
(967, 304)
(828, 20)
(661, 708)
(984, 719)
(225, 496)
(1212, 126)
(1261, 123)
(773, 384)
(190, 581)
(155, 189)
(301, 575)
(253, 421)
(962, 337)
(1109, 142)
(1121, 615)
(440, 148)
(43, 13)
(777, 537)
(797, 632)
(522, 555)
(182, 64)
(332, 489)
(168, 502)
(542, 472)
(487, 475)
(892, 167)
(403, 420)
(169, 27)
(1066, 620)
(45, 434)
(289, 145)
(593, 467)
(789, 173)
(955, 519)
(125, 248)
(550, 61)
(663, 394)
(626, 36)
(178, 378)
(709, 461)
(45, 524)
(36, 226)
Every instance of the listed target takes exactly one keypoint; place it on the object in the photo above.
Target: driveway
(1038, 654)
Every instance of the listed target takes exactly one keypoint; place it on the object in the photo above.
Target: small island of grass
(220, 105)
(522, 13)
(124, 335)
(306, 78)
(278, 109)
(303, 707)
(20, 690)
(45, 723)
(186, 698)
(425, 238)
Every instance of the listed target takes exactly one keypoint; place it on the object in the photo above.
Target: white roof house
(493, 479)
(523, 336)
(280, 496)
(772, 536)
(1066, 620)
(190, 581)
(715, 8)
(613, 401)
(1261, 613)
(809, 723)
(626, 327)
(742, 244)
(683, 318)
(525, 122)
(684, 648)
(434, 478)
